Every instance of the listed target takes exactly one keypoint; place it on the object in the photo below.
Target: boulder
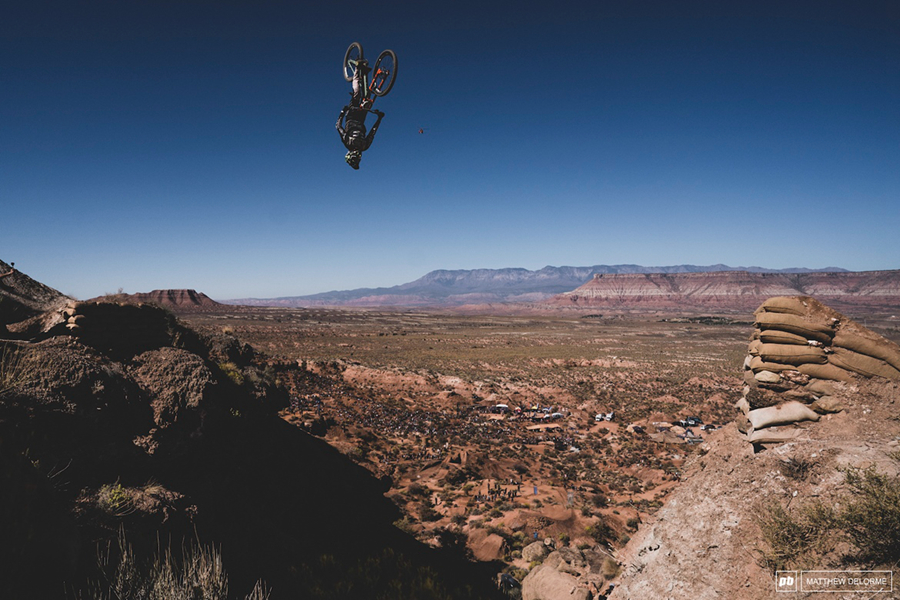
(545, 582)
(535, 552)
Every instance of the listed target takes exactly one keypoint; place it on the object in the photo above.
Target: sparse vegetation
(233, 372)
(869, 522)
(872, 518)
(115, 499)
(197, 573)
(13, 368)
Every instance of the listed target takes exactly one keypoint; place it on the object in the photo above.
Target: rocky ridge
(176, 300)
(732, 291)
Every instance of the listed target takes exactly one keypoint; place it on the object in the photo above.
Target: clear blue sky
(154, 144)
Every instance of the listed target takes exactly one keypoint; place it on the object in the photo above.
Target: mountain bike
(376, 80)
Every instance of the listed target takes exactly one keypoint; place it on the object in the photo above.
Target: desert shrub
(199, 573)
(633, 523)
(404, 525)
(427, 512)
(610, 568)
(564, 538)
(115, 499)
(417, 489)
(497, 530)
(796, 468)
(789, 537)
(233, 372)
(13, 368)
(600, 532)
(599, 500)
(871, 520)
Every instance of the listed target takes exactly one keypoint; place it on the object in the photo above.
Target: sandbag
(820, 388)
(773, 336)
(789, 412)
(767, 377)
(797, 325)
(877, 348)
(792, 354)
(784, 304)
(747, 360)
(758, 365)
(753, 347)
(827, 404)
(862, 364)
(743, 406)
(768, 436)
(829, 371)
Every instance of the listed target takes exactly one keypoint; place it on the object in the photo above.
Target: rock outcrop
(175, 300)
(565, 574)
(26, 305)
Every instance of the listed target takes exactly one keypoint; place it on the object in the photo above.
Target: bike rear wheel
(384, 73)
(354, 53)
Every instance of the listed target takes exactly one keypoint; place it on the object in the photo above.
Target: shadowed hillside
(119, 417)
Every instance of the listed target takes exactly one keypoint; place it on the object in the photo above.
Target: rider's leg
(357, 88)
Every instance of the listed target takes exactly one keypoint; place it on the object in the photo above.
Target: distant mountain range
(481, 286)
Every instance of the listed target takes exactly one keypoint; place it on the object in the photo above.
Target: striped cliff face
(732, 290)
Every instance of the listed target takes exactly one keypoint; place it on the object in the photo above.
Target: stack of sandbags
(801, 353)
(801, 334)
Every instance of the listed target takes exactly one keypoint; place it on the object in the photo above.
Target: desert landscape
(467, 452)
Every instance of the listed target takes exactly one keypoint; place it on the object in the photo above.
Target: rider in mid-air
(353, 130)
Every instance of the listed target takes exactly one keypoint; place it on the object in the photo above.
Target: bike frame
(368, 84)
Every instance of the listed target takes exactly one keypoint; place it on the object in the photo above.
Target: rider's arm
(341, 118)
(372, 131)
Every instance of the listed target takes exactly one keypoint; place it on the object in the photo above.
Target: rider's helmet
(353, 157)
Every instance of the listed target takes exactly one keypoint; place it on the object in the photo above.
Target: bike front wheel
(384, 73)
(351, 57)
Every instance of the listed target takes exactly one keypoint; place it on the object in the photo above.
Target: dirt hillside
(745, 510)
(121, 418)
